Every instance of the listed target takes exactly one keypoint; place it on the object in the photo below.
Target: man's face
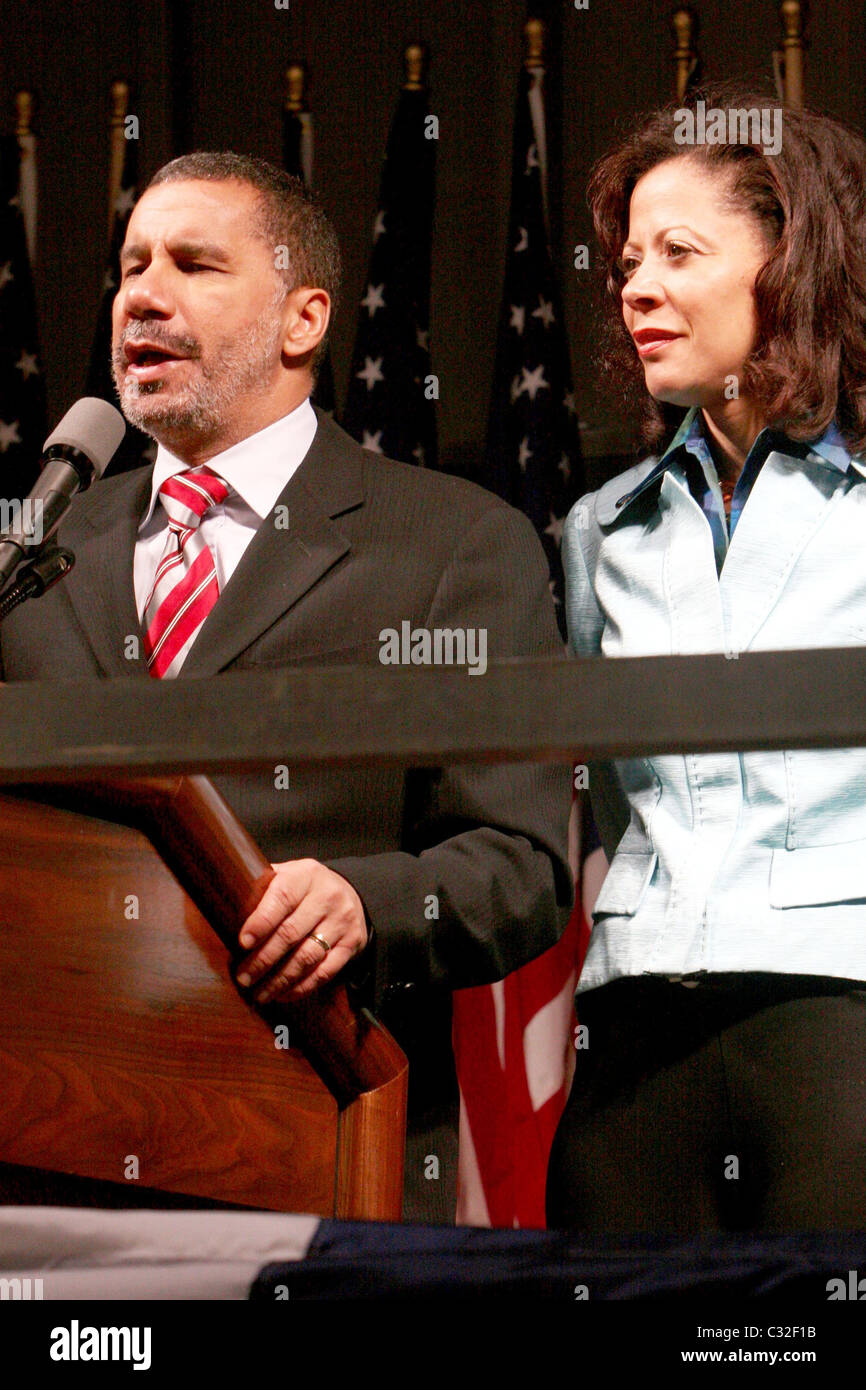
(199, 318)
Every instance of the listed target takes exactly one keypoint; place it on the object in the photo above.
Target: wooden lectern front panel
(126, 1053)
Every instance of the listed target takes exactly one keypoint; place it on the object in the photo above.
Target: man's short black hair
(290, 217)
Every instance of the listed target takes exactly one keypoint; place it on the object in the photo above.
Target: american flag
(137, 448)
(22, 384)
(514, 1053)
(390, 403)
(298, 160)
(513, 1041)
(533, 446)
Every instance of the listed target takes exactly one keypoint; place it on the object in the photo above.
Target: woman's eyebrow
(666, 231)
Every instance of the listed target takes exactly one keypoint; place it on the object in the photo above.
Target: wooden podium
(127, 1054)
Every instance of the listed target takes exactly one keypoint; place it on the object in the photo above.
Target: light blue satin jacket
(726, 861)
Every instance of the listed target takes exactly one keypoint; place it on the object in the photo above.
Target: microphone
(78, 451)
(34, 579)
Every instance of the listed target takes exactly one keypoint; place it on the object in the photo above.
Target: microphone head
(92, 426)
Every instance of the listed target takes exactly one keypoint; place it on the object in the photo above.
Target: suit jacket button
(398, 987)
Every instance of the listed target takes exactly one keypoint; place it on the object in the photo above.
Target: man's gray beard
(206, 405)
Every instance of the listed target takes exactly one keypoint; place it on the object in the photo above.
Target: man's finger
(279, 900)
(292, 981)
(285, 937)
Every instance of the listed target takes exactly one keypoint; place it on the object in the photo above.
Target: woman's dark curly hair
(809, 360)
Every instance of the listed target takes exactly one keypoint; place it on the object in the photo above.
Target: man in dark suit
(306, 548)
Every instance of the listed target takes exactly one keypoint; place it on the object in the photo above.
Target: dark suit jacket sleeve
(484, 884)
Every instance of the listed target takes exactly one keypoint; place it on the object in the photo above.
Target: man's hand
(304, 901)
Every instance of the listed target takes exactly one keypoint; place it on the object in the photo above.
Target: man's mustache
(184, 346)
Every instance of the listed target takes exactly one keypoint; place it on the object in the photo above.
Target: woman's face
(690, 266)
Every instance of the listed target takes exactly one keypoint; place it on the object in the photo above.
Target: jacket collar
(616, 496)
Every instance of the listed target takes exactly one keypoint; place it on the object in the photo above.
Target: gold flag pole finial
(416, 63)
(117, 147)
(295, 98)
(119, 103)
(533, 40)
(791, 13)
(533, 62)
(23, 114)
(685, 26)
(27, 176)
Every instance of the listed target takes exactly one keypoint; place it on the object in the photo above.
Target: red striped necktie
(185, 588)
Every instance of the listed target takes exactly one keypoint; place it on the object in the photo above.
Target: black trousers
(738, 1104)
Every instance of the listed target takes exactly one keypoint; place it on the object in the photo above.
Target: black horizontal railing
(539, 710)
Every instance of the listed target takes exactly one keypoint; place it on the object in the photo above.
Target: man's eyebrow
(199, 250)
(132, 251)
(186, 250)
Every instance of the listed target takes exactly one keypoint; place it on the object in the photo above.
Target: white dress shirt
(257, 469)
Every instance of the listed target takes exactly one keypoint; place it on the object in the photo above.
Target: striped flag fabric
(22, 383)
(513, 1041)
(514, 1053)
(390, 402)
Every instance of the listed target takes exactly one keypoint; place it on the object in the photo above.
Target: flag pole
(793, 45)
(297, 122)
(23, 113)
(534, 34)
(685, 26)
(295, 98)
(27, 189)
(137, 448)
(416, 61)
(298, 160)
(117, 147)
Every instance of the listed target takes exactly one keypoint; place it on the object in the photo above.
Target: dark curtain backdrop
(208, 74)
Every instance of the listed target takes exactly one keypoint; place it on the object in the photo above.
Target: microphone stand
(33, 579)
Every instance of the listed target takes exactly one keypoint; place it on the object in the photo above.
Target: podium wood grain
(124, 1044)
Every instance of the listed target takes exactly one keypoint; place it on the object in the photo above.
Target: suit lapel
(100, 586)
(283, 562)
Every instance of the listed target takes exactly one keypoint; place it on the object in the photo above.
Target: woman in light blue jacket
(723, 1081)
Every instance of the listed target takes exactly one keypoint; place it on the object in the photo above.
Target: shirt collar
(829, 448)
(257, 468)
